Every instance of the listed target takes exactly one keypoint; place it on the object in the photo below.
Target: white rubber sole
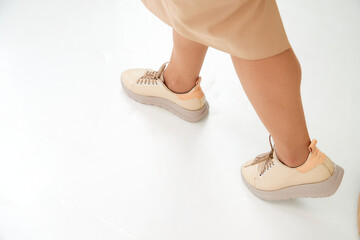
(187, 115)
(314, 190)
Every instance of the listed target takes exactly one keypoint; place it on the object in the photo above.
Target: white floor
(79, 160)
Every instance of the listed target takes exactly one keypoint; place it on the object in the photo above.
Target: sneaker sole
(313, 190)
(187, 115)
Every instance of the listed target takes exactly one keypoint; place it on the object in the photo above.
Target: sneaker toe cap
(248, 173)
(130, 76)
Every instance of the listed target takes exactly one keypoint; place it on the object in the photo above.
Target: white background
(80, 160)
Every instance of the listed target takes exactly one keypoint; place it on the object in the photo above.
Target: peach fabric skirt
(249, 29)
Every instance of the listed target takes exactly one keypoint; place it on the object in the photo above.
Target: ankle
(178, 83)
(293, 158)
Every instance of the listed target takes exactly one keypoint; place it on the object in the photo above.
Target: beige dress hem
(249, 29)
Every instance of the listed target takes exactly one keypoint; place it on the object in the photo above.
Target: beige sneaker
(269, 179)
(147, 86)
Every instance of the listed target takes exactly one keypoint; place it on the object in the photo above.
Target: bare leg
(185, 64)
(272, 85)
(273, 88)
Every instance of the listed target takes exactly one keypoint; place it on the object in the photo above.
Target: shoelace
(151, 76)
(265, 158)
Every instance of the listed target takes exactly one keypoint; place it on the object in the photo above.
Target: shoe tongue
(161, 77)
(160, 72)
(274, 154)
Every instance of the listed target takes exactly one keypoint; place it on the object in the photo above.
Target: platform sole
(314, 190)
(187, 115)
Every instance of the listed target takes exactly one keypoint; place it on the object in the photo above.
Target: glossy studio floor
(80, 160)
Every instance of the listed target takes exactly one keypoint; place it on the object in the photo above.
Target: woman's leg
(272, 85)
(185, 64)
(273, 88)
